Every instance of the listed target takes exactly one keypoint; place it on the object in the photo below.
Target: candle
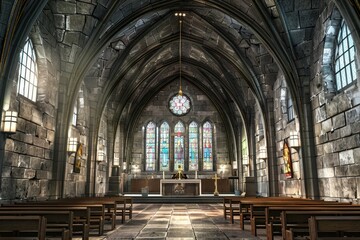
(195, 174)
(163, 175)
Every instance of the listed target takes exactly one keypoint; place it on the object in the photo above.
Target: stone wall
(202, 110)
(336, 124)
(28, 164)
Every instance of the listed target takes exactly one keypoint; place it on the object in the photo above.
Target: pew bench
(294, 219)
(80, 221)
(59, 223)
(260, 219)
(23, 227)
(334, 227)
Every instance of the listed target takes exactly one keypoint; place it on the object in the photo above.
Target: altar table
(180, 187)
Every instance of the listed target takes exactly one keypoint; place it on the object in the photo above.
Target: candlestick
(195, 174)
(163, 175)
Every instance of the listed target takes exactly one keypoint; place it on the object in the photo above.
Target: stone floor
(179, 222)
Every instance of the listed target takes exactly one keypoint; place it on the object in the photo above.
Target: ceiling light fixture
(180, 104)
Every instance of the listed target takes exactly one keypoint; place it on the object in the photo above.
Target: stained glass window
(345, 67)
(179, 104)
(179, 145)
(193, 146)
(150, 146)
(27, 84)
(207, 147)
(164, 147)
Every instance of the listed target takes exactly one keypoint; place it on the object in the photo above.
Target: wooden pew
(23, 227)
(296, 217)
(96, 211)
(58, 222)
(334, 227)
(258, 210)
(81, 215)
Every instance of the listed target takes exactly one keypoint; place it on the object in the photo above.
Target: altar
(180, 187)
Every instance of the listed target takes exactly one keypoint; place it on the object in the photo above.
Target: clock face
(179, 104)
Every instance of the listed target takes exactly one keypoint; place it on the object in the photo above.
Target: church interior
(179, 98)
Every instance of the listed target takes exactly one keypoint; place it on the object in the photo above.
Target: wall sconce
(72, 145)
(234, 165)
(262, 153)
(101, 156)
(294, 140)
(9, 122)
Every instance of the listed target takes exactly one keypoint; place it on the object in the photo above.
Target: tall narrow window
(75, 114)
(27, 83)
(289, 106)
(345, 67)
(150, 146)
(164, 147)
(207, 147)
(193, 147)
(179, 145)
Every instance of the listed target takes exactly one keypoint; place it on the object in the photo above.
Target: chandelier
(180, 104)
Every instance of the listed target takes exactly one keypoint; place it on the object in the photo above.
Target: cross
(216, 193)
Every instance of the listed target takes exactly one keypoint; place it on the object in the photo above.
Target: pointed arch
(207, 144)
(179, 141)
(193, 146)
(164, 147)
(150, 146)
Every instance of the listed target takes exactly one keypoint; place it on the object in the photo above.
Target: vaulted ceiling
(231, 50)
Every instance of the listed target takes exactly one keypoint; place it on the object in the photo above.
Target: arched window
(27, 83)
(164, 147)
(75, 114)
(207, 147)
(150, 136)
(289, 106)
(193, 146)
(179, 157)
(345, 68)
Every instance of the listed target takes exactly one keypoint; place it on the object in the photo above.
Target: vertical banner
(287, 160)
(78, 158)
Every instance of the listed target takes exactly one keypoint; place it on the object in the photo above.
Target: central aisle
(179, 221)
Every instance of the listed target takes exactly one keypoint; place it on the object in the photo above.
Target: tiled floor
(179, 222)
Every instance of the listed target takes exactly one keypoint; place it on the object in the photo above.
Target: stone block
(327, 125)
(344, 103)
(353, 141)
(24, 161)
(335, 187)
(326, 172)
(339, 145)
(20, 148)
(339, 121)
(355, 127)
(333, 135)
(25, 110)
(59, 20)
(349, 187)
(308, 18)
(320, 114)
(84, 8)
(41, 132)
(18, 172)
(346, 157)
(345, 131)
(65, 7)
(353, 115)
(328, 148)
(331, 160)
(292, 20)
(11, 159)
(75, 22)
(36, 116)
(357, 155)
(30, 128)
(331, 108)
(71, 38)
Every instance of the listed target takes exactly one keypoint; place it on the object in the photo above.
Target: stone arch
(332, 27)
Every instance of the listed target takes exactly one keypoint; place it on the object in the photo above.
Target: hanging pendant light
(180, 104)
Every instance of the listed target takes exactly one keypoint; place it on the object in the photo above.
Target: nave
(180, 221)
